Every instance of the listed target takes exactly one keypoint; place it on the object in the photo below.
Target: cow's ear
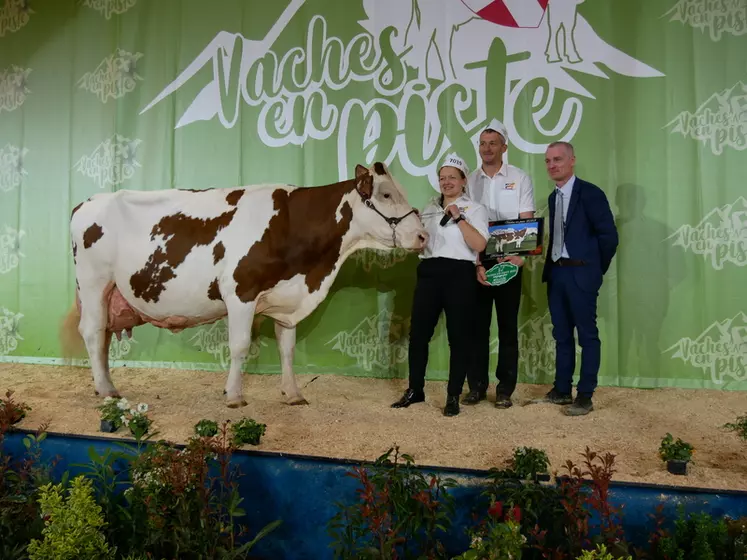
(365, 186)
(360, 171)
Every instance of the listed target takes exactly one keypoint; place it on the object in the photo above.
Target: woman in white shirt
(446, 282)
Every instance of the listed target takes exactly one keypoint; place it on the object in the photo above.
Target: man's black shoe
(554, 397)
(452, 406)
(410, 397)
(581, 406)
(503, 401)
(474, 397)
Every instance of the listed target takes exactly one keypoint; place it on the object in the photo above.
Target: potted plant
(137, 420)
(248, 431)
(112, 414)
(206, 428)
(677, 454)
(531, 464)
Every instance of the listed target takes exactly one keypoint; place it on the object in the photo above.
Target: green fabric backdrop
(100, 95)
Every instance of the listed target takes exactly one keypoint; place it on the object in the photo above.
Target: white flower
(133, 411)
(108, 399)
(123, 404)
(142, 407)
(123, 419)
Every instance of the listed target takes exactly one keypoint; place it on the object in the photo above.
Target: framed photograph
(523, 237)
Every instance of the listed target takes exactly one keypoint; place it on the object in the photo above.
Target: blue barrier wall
(302, 491)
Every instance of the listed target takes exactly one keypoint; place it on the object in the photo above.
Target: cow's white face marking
(389, 198)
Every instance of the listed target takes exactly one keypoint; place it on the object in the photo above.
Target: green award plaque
(501, 273)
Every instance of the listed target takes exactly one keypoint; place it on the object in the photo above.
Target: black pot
(677, 466)
(107, 426)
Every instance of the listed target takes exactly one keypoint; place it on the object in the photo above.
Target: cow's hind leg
(240, 317)
(92, 328)
(286, 346)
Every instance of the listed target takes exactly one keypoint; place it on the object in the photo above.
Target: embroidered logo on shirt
(510, 186)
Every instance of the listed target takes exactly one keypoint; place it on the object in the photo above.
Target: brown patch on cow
(219, 252)
(286, 250)
(363, 181)
(379, 168)
(234, 196)
(75, 251)
(213, 291)
(181, 234)
(76, 209)
(92, 235)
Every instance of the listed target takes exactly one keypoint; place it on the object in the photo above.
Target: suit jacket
(590, 234)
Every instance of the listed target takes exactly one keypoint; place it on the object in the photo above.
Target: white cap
(498, 126)
(453, 160)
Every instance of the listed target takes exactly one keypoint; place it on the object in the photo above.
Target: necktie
(557, 231)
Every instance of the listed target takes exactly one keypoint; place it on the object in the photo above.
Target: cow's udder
(122, 317)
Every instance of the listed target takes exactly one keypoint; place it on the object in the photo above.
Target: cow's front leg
(286, 338)
(240, 317)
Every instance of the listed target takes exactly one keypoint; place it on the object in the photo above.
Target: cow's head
(384, 215)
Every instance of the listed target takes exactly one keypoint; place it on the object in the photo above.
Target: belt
(568, 262)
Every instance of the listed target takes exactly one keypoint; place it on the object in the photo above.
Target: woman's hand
(453, 210)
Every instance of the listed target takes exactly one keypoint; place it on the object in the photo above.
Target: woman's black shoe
(474, 397)
(410, 397)
(452, 406)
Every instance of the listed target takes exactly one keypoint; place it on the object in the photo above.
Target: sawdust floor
(350, 417)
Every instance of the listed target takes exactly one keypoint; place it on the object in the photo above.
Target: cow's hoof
(236, 404)
(297, 401)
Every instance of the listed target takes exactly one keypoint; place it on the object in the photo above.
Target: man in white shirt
(508, 194)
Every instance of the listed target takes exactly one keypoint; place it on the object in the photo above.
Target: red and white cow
(178, 258)
(505, 236)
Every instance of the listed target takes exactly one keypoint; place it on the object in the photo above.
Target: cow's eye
(386, 195)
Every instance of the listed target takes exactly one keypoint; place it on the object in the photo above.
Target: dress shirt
(447, 241)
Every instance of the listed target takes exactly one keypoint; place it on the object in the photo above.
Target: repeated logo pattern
(213, 339)
(109, 8)
(10, 248)
(114, 77)
(378, 342)
(13, 87)
(720, 351)
(9, 333)
(112, 162)
(720, 237)
(717, 17)
(12, 170)
(719, 122)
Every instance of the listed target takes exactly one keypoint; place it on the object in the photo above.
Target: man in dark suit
(583, 241)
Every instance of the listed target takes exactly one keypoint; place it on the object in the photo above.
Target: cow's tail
(71, 342)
